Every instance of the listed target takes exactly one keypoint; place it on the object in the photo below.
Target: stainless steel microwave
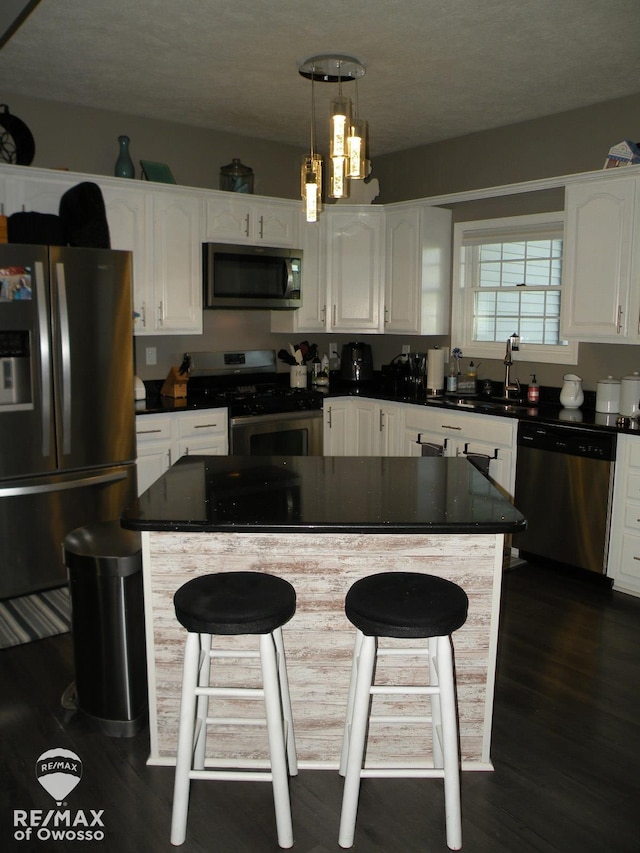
(251, 276)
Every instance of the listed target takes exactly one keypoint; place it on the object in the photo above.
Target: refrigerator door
(27, 441)
(93, 356)
(36, 514)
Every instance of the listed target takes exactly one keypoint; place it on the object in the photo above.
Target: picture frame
(158, 172)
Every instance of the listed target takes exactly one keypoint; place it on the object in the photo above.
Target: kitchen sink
(488, 406)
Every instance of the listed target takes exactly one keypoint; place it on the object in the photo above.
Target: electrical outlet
(151, 356)
(334, 356)
(406, 349)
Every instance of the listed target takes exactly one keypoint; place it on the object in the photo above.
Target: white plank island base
(462, 541)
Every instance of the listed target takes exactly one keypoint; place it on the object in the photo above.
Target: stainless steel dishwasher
(564, 479)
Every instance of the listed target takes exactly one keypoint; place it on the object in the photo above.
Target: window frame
(471, 233)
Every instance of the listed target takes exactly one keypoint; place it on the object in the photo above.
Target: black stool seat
(406, 604)
(235, 603)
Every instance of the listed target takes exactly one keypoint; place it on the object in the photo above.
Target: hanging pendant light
(348, 141)
(311, 171)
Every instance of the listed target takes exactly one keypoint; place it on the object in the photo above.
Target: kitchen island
(322, 523)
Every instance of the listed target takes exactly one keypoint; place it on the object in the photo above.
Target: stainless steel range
(266, 416)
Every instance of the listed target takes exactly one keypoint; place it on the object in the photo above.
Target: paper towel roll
(435, 371)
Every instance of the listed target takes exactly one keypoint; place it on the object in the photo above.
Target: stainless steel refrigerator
(67, 433)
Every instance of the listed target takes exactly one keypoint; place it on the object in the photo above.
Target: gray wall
(85, 140)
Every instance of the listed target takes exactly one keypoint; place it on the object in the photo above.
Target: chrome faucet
(513, 345)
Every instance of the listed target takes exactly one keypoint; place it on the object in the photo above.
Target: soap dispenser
(533, 391)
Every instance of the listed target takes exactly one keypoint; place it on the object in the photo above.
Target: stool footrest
(236, 721)
(233, 775)
(382, 718)
(402, 773)
(409, 690)
(236, 692)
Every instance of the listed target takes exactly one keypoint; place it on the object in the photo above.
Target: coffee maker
(356, 362)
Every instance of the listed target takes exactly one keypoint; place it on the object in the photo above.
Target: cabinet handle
(619, 327)
(335, 314)
(386, 315)
(246, 225)
(329, 418)
(381, 422)
(144, 315)
(467, 452)
(448, 426)
(169, 457)
(323, 315)
(147, 431)
(186, 451)
(204, 426)
(261, 227)
(160, 313)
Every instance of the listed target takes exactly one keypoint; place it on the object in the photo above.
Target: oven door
(280, 434)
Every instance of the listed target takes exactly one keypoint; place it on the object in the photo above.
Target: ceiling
(436, 69)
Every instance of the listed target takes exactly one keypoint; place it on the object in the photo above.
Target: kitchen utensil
(608, 395)
(356, 363)
(571, 393)
(630, 395)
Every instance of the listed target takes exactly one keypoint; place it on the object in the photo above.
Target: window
(508, 278)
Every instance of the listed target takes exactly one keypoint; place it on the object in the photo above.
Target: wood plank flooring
(566, 750)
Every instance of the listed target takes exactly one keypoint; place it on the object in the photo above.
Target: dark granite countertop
(323, 494)
(549, 411)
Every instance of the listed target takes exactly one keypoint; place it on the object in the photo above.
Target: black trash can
(104, 565)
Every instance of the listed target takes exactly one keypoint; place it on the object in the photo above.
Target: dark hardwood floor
(566, 750)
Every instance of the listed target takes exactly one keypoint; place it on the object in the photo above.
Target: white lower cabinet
(357, 426)
(490, 441)
(623, 564)
(163, 438)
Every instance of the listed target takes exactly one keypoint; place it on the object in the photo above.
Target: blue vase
(124, 163)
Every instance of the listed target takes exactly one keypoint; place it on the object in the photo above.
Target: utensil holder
(298, 376)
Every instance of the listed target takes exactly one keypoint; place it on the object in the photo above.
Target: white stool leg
(184, 755)
(203, 703)
(436, 712)
(286, 703)
(273, 710)
(349, 715)
(357, 741)
(450, 744)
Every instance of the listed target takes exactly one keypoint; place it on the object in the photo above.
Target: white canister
(608, 395)
(630, 395)
(298, 376)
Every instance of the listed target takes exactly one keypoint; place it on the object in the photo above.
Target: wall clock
(16, 142)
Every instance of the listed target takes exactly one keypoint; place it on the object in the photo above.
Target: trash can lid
(105, 547)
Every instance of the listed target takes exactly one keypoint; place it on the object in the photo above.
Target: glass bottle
(236, 178)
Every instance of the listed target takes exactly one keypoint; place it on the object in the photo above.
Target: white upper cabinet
(129, 214)
(177, 274)
(418, 269)
(312, 314)
(599, 299)
(239, 218)
(355, 267)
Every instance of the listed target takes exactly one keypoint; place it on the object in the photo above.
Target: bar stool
(411, 606)
(223, 604)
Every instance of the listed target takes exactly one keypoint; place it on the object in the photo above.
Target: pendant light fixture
(348, 133)
(311, 171)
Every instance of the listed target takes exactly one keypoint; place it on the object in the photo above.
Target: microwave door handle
(288, 277)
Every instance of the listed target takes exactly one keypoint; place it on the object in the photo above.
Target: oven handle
(302, 414)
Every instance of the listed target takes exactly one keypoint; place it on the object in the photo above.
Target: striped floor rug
(34, 617)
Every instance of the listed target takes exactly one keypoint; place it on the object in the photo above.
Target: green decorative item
(124, 163)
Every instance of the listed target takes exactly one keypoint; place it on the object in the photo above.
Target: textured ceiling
(436, 69)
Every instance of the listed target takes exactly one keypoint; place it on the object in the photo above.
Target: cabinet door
(623, 563)
(202, 432)
(214, 446)
(355, 249)
(239, 220)
(418, 270)
(177, 272)
(311, 316)
(598, 250)
(128, 220)
(365, 427)
(390, 425)
(337, 436)
(39, 192)
(153, 448)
